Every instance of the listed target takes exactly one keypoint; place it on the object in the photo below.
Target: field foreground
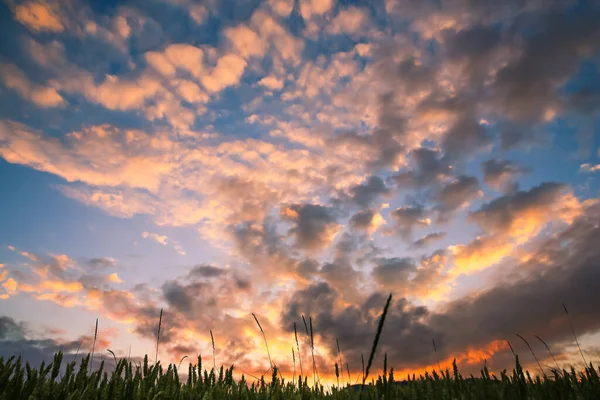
(143, 380)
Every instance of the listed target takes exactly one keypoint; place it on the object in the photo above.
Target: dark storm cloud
(501, 213)
(428, 239)
(455, 195)
(473, 42)
(525, 87)
(524, 303)
(312, 225)
(366, 193)
(17, 340)
(500, 174)
(408, 218)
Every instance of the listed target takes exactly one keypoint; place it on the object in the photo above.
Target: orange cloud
(38, 16)
(44, 96)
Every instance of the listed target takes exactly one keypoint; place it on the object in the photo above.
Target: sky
(301, 157)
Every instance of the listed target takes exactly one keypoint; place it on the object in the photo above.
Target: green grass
(19, 380)
(127, 380)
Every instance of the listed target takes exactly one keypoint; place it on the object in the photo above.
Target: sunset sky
(300, 157)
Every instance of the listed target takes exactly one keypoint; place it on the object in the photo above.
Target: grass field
(144, 380)
(147, 381)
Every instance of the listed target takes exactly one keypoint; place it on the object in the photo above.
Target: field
(143, 380)
(146, 381)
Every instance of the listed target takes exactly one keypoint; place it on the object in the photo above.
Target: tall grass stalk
(114, 356)
(436, 354)
(94, 344)
(180, 361)
(511, 348)
(265, 338)
(294, 360)
(158, 335)
(549, 351)
(312, 351)
(376, 341)
(574, 335)
(77, 352)
(298, 348)
(212, 340)
(533, 354)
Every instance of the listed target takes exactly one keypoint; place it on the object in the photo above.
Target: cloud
(409, 277)
(512, 220)
(456, 195)
(178, 56)
(500, 174)
(351, 21)
(408, 218)
(227, 72)
(271, 82)
(368, 192)
(165, 241)
(283, 8)
(38, 16)
(245, 41)
(368, 220)
(205, 271)
(42, 96)
(429, 168)
(162, 239)
(524, 213)
(113, 278)
(428, 239)
(308, 8)
(315, 226)
(470, 322)
(102, 262)
(589, 168)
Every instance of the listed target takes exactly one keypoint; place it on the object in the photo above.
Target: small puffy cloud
(205, 271)
(39, 16)
(315, 226)
(351, 21)
(102, 262)
(368, 220)
(272, 82)
(308, 8)
(500, 174)
(116, 93)
(367, 192)
(245, 41)
(282, 8)
(162, 239)
(428, 167)
(408, 218)
(428, 239)
(589, 167)
(113, 278)
(43, 96)
(466, 137)
(394, 273)
(456, 195)
(227, 72)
